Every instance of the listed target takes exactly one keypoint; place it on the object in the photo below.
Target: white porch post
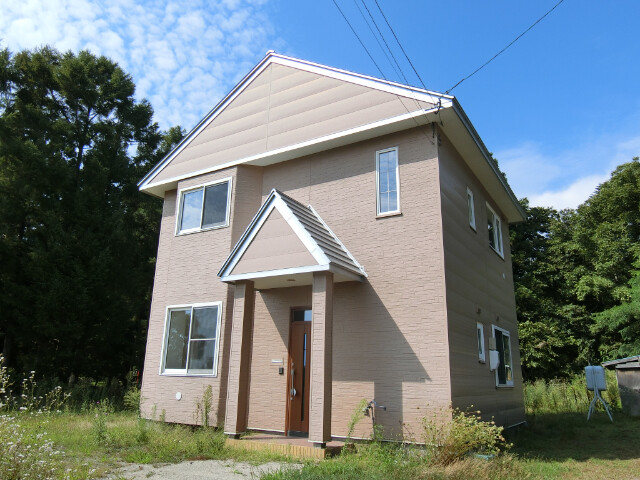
(321, 359)
(236, 410)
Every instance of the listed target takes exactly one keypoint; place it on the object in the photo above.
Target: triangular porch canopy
(284, 244)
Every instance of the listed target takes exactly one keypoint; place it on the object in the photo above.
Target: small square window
(480, 332)
(495, 231)
(471, 209)
(204, 207)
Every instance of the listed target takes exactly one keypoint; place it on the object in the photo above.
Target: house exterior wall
(389, 333)
(479, 289)
(186, 273)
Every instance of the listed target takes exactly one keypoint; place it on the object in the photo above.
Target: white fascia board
(302, 233)
(473, 134)
(215, 111)
(359, 79)
(344, 75)
(275, 273)
(339, 139)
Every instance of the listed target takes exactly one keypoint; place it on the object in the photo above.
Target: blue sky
(559, 109)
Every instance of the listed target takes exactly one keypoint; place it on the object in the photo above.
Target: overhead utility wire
(514, 41)
(400, 45)
(358, 37)
(438, 102)
(401, 74)
(377, 40)
(371, 57)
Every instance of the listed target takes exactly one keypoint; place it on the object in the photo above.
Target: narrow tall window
(495, 231)
(191, 340)
(204, 207)
(471, 209)
(480, 332)
(387, 181)
(504, 372)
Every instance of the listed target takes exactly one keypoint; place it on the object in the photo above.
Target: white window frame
(165, 338)
(471, 209)
(508, 383)
(481, 343)
(203, 186)
(497, 231)
(397, 210)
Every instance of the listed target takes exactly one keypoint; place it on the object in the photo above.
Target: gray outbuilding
(628, 375)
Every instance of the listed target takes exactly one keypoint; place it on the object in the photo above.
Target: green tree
(77, 239)
(621, 324)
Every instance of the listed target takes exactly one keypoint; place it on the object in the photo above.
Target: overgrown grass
(382, 461)
(125, 438)
(566, 395)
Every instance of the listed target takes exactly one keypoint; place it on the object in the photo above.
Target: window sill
(504, 386)
(208, 375)
(501, 255)
(389, 214)
(190, 232)
(473, 227)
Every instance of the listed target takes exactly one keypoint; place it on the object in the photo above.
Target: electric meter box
(595, 378)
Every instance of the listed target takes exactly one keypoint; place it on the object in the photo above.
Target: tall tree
(77, 239)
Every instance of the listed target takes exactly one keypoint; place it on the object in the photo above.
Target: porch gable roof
(284, 244)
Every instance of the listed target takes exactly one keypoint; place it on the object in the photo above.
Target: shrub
(451, 434)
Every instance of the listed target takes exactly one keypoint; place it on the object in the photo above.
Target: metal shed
(628, 375)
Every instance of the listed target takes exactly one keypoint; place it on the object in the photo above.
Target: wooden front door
(299, 372)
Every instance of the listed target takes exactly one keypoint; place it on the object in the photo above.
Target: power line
(400, 45)
(378, 67)
(385, 41)
(377, 40)
(512, 42)
(358, 37)
(401, 74)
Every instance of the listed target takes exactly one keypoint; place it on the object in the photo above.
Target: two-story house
(329, 237)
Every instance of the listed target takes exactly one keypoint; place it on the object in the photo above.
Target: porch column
(321, 359)
(235, 421)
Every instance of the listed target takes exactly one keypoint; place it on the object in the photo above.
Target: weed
(356, 417)
(101, 411)
(203, 407)
(131, 399)
(451, 434)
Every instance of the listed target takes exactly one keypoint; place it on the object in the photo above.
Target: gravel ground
(199, 470)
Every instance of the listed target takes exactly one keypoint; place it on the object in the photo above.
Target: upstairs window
(480, 331)
(191, 339)
(495, 231)
(387, 181)
(504, 372)
(471, 209)
(204, 207)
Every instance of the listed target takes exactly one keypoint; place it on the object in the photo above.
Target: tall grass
(566, 395)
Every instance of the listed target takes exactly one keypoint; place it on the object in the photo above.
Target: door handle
(292, 392)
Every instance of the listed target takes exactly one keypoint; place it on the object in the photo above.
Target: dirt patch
(199, 470)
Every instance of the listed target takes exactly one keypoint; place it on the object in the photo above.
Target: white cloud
(570, 196)
(565, 179)
(183, 57)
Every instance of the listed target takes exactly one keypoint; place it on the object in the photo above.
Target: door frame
(287, 417)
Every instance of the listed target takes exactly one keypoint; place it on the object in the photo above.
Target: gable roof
(327, 253)
(286, 108)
